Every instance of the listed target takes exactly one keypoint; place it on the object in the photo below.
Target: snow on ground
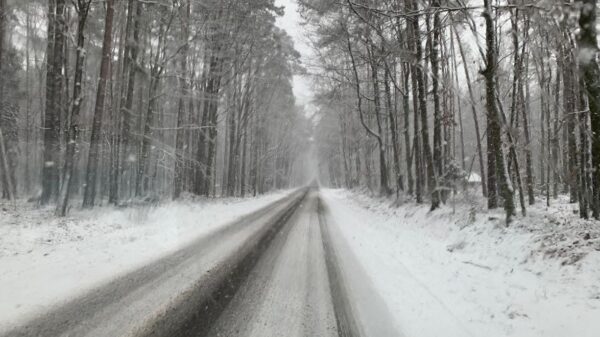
(45, 260)
(466, 274)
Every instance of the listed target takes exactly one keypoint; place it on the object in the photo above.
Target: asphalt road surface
(282, 271)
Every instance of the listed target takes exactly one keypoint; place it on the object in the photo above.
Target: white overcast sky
(291, 23)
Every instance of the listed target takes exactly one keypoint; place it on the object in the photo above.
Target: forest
(113, 101)
(503, 92)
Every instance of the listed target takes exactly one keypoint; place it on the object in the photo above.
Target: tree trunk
(570, 107)
(6, 167)
(54, 76)
(83, 7)
(528, 160)
(555, 135)
(199, 179)
(590, 72)
(383, 180)
(213, 90)
(585, 181)
(89, 195)
(142, 177)
(393, 130)
(406, 107)
(181, 111)
(243, 166)
(437, 114)
(426, 149)
(130, 67)
(497, 170)
(417, 153)
(8, 119)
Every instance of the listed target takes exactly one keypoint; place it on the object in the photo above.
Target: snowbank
(465, 274)
(46, 260)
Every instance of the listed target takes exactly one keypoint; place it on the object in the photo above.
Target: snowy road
(279, 272)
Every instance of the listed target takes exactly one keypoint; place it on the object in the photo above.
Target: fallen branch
(477, 265)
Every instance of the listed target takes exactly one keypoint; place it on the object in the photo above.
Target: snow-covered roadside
(465, 274)
(45, 260)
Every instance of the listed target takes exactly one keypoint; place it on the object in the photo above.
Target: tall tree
(82, 9)
(497, 171)
(157, 69)
(437, 113)
(54, 76)
(7, 116)
(125, 154)
(181, 110)
(590, 72)
(427, 162)
(94, 153)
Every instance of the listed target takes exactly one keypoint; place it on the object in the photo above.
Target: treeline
(417, 94)
(113, 100)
